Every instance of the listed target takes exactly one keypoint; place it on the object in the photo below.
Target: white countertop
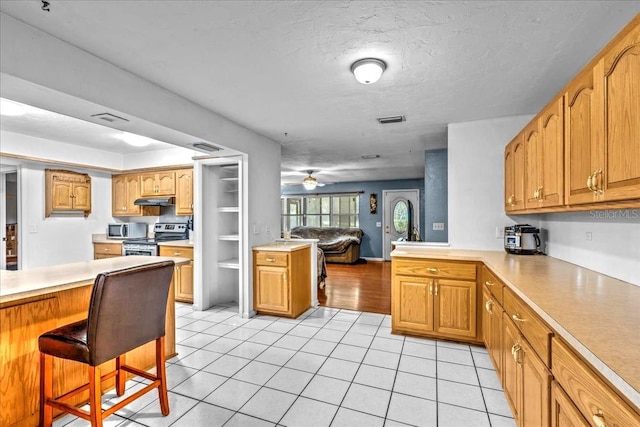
(102, 238)
(282, 246)
(596, 314)
(23, 284)
(178, 243)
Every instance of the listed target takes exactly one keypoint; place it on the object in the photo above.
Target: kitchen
(461, 222)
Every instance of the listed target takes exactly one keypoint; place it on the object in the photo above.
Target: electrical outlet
(589, 235)
(378, 224)
(267, 229)
(438, 226)
(499, 232)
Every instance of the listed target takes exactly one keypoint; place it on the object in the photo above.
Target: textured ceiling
(282, 67)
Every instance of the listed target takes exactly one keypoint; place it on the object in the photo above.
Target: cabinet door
(166, 183)
(456, 306)
(563, 412)
(61, 195)
(184, 283)
(511, 379)
(581, 151)
(533, 155)
(132, 184)
(492, 330)
(82, 196)
(148, 184)
(272, 290)
(514, 164)
(118, 195)
(617, 84)
(552, 140)
(412, 303)
(184, 192)
(535, 388)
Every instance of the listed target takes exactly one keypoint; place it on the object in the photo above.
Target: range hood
(155, 201)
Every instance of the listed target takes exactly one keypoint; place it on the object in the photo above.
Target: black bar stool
(127, 310)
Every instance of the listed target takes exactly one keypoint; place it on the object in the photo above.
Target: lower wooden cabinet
(435, 299)
(492, 329)
(183, 276)
(106, 250)
(282, 281)
(563, 412)
(526, 379)
(592, 397)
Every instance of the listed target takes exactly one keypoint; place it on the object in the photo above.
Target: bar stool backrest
(127, 309)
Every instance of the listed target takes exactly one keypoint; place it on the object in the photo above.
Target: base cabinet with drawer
(435, 298)
(282, 280)
(492, 318)
(183, 276)
(106, 250)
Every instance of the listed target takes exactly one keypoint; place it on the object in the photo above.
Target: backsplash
(607, 241)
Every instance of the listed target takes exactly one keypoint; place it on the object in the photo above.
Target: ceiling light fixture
(135, 140)
(10, 108)
(368, 70)
(309, 183)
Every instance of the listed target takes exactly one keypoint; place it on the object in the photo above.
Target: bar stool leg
(121, 376)
(46, 389)
(161, 373)
(95, 396)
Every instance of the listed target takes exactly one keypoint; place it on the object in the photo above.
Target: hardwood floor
(361, 287)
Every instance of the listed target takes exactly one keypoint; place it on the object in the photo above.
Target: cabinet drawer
(434, 268)
(597, 402)
(114, 249)
(492, 284)
(530, 325)
(180, 251)
(279, 259)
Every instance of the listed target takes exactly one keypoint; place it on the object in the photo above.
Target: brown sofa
(339, 244)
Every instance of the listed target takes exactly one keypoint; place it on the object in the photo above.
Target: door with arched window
(401, 217)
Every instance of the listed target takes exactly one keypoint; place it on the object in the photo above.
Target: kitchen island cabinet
(183, 276)
(35, 301)
(550, 340)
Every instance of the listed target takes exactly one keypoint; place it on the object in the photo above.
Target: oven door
(148, 250)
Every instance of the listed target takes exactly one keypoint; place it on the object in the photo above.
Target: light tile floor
(329, 367)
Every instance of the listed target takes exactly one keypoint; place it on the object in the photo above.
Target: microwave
(127, 230)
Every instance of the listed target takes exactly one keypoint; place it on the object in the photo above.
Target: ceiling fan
(310, 182)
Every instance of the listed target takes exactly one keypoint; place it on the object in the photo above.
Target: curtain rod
(322, 194)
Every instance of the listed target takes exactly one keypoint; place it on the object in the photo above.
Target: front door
(401, 217)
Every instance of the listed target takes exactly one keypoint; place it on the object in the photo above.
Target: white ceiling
(283, 67)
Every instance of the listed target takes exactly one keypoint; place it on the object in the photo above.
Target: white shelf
(231, 237)
(229, 209)
(230, 179)
(229, 263)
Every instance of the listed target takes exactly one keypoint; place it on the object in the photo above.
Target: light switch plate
(438, 226)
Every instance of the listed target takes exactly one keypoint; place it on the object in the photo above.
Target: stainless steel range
(163, 232)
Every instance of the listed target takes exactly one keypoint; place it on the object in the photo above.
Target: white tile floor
(329, 367)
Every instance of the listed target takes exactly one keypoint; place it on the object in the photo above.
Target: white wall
(614, 248)
(476, 180)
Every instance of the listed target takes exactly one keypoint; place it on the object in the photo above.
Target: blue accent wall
(371, 246)
(436, 195)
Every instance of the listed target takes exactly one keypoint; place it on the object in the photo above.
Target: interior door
(3, 221)
(401, 217)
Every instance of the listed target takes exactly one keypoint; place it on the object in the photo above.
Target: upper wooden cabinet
(617, 87)
(67, 191)
(514, 164)
(184, 192)
(125, 189)
(582, 150)
(158, 184)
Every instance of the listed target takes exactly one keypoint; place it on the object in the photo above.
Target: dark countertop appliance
(522, 239)
(163, 232)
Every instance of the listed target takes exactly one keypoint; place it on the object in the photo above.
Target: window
(327, 210)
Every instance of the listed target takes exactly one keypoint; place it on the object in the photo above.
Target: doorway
(9, 249)
(400, 217)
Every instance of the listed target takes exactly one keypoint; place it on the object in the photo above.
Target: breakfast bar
(35, 301)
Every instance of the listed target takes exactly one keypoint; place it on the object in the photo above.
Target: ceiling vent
(392, 119)
(108, 117)
(203, 146)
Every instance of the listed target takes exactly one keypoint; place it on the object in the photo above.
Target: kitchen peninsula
(580, 325)
(35, 301)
